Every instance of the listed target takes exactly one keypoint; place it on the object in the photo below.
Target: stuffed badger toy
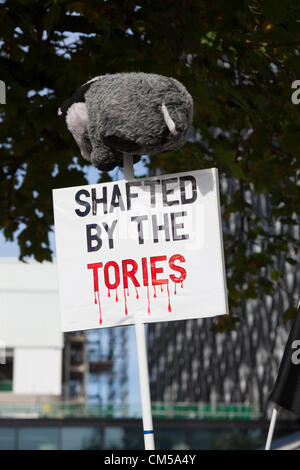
(134, 113)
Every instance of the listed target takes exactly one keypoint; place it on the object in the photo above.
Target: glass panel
(6, 372)
(81, 438)
(113, 438)
(134, 438)
(171, 439)
(203, 439)
(7, 438)
(38, 438)
(238, 439)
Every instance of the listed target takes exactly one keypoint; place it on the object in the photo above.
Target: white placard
(140, 251)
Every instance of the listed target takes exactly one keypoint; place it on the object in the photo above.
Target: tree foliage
(238, 60)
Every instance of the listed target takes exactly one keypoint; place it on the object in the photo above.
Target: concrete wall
(30, 325)
(37, 371)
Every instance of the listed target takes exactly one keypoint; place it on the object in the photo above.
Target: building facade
(30, 331)
(38, 363)
(190, 363)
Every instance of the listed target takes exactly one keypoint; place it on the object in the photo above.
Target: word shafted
(107, 199)
(130, 196)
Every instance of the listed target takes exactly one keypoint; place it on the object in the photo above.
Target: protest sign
(140, 251)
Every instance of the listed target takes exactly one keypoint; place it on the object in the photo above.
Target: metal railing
(109, 410)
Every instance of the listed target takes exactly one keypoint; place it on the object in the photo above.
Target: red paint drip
(108, 292)
(127, 291)
(181, 284)
(136, 291)
(161, 288)
(100, 313)
(126, 311)
(169, 304)
(175, 288)
(154, 291)
(117, 298)
(95, 298)
(148, 299)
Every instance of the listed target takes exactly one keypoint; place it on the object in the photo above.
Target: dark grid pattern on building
(190, 363)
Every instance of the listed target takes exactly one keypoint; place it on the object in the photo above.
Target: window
(38, 438)
(81, 438)
(6, 372)
(7, 438)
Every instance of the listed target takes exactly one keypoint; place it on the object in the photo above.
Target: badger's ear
(77, 123)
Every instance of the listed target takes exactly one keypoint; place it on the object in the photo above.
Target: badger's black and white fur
(135, 113)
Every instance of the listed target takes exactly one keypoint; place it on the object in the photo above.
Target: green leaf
(290, 314)
(275, 275)
(291, 261)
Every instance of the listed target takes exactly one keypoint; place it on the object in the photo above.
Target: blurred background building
(29, 331)
(190, 363)
(71, 391)
(43, 363)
